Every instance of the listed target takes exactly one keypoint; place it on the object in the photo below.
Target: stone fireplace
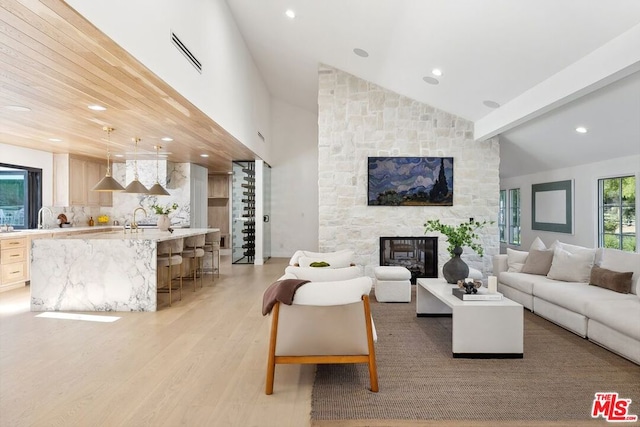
(418, 254)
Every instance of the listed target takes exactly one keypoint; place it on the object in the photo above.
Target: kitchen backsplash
(175, 177)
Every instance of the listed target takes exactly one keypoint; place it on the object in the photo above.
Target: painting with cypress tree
(410, 181)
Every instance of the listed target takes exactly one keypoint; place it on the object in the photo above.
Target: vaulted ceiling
(541, 54)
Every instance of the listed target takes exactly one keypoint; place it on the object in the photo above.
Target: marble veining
(110, 271)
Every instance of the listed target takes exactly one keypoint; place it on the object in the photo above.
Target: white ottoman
(393, 284)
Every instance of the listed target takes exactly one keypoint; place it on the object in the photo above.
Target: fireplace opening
(418, 254)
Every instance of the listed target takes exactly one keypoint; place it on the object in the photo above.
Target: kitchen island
(108, 271)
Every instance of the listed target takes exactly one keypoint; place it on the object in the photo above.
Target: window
(617, 213)
(514, 216)
(20, 196)
(502, 216)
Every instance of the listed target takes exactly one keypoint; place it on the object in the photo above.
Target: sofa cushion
(324, 274)
(516, 260)
(574, 296)
(621, 315)
(334, 259)
(520, 281)
(617, 260)
(571, 266)
(538, 262)
(613, 280)
(295, 258)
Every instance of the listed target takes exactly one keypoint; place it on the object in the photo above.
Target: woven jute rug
(419, 380)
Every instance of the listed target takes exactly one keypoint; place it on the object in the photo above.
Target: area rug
(420, 380)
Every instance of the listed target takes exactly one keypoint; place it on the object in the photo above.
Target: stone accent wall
(358, 119)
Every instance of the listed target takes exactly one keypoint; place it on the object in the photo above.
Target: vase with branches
(458, 236)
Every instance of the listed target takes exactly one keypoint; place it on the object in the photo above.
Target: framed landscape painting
(410, 181)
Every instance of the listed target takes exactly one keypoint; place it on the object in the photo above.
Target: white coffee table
(481, 329)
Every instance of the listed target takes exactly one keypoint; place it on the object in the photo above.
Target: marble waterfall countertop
(57, 230)
(153, 234)
(104, 271)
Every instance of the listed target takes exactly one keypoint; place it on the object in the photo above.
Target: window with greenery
(502, 216)
(514, 216)
(617, 213)
(13, 192)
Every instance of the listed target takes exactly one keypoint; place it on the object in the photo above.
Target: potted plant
(457, 237)
(163, 215)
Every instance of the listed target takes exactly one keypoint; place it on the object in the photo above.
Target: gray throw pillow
(538, 262)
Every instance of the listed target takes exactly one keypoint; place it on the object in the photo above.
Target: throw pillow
(516, 260)
(537, 245)
(571, 267)
(617, 260)
(538, 262)
(609, 279)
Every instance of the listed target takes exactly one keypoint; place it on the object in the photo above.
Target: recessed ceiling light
(290, 14)
(204, 155)
(431, 80)
(118, 155)
(97, 107)
(167, 139)
(55, 140)
(436, 72)
(19, 108)
(581, 129)
(491, 104)
(361, 52)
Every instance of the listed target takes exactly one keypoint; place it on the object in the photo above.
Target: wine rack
(249, 212)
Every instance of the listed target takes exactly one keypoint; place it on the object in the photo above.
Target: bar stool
(193, 249)
(212, 244)
(169, 253)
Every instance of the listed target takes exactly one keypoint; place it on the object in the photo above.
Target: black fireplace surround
(418, 254)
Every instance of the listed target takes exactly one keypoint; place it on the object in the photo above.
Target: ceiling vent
(186, 52)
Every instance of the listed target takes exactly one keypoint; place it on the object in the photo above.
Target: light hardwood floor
(201, 362)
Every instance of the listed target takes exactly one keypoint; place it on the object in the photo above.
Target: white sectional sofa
(575, 291)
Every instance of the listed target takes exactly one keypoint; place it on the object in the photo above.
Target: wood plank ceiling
(56, 63)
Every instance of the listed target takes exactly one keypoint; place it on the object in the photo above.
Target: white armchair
(328, 322)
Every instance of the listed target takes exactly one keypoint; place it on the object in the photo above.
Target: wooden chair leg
(373, 371)
(271, 363)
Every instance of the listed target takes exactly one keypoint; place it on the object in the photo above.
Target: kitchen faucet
(41, 219)
(134, 224)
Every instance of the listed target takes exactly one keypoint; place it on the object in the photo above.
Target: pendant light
(157, 189)
(108, 183)
(135, 186)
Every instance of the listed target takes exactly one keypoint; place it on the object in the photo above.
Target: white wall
(34, 159)
(585, 205)
(294, 179)
(230, 89)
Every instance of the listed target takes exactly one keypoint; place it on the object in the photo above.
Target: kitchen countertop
(153, 234)
(101, 271)
(56, 230)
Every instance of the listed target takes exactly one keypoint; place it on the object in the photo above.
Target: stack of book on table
(482, 295)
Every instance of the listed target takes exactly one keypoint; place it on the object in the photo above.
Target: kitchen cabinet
(13, 263)
(218, 186)
(218, 206)
(74, 177)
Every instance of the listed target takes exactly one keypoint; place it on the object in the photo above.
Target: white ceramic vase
(164, 222)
